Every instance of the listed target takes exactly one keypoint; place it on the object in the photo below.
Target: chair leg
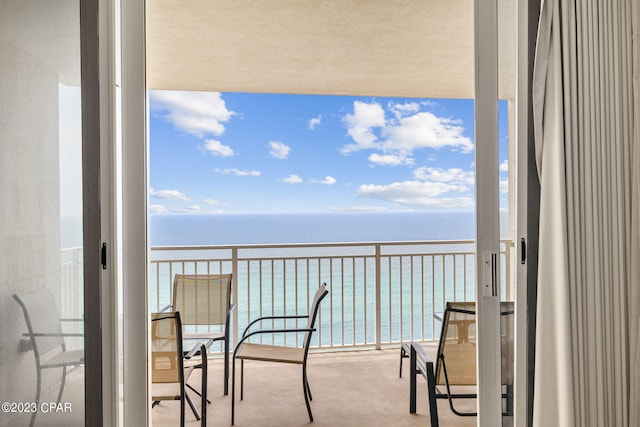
(204, 401)
(226, 366)
(305, 386)
(64, 377)
(233, 390)
(404, 354)
(431, 386)
(192, 406)
(241, 379)
(196, 392)
(37, 399)
(309, 390)
(182, 407)
(413, 373)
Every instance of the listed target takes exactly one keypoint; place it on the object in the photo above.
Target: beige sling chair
(204, 303)
(168, 373)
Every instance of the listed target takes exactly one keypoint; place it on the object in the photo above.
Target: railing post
(234, 292)
(378, 301)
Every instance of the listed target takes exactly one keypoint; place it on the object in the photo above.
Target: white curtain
(634, 294)
(586, 367)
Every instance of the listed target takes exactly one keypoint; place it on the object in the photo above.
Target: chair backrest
(202, 299)
(41, 316)
(166, 348)
(457, 346)
(313, 313)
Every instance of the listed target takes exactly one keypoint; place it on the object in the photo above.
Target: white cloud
(504, 166)
(169, 195)
(190, 209)
(408, 130)
(417, 194)
(158, 209)
(314, 122)
(425, 130)
(217, 148)
(196, 113)
(292, 179)
(237, 172)
(211, 202)
(390, 159)
(455, 176)
(279, 150)
(328, 180)
(400, 110)
(360, 125)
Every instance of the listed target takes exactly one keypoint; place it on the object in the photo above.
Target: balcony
(381, 293)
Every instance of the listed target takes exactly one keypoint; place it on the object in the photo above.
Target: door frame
(133, 99)
(96, 376)
(134, 202)
(487, 212)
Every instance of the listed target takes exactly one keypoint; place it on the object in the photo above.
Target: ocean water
(227, 229)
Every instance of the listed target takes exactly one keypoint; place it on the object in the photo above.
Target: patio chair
(455, 363)
(168, 373)
(274, 353)
(46, 338)
(205, 300)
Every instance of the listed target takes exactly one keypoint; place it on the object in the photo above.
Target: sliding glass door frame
(134, 220)
(487, 213)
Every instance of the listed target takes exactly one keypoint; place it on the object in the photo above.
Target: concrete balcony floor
(354, 388)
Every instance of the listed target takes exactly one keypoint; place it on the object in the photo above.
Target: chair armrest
(47, 334)
(26, 342)
(260, 319)
(195, 351)
(270, 331)
(422, 355)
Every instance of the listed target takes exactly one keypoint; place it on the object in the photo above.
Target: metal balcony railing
(381, 293)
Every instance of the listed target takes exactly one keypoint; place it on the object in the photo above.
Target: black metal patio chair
(455, 362)
(273, 353)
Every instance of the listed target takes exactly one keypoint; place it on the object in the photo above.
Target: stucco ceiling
(404, 48)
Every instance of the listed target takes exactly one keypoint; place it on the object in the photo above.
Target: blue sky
(267, 153)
